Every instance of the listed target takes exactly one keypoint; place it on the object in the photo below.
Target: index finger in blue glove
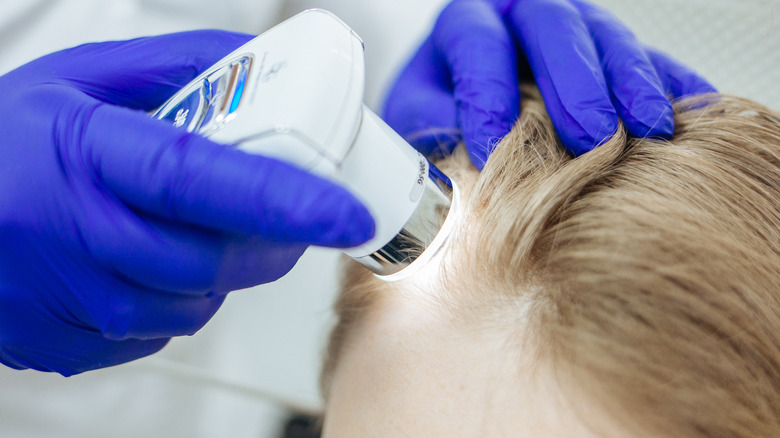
(163, 170)
(565, 63)
(420, 106)
(637, 91)
(174, 256)
(482, 62)
(678, 80)
(144, 72)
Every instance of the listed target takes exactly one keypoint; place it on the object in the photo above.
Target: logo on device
(181, 117)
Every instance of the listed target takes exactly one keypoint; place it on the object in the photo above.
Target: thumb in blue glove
(591, 70)
(120, 231)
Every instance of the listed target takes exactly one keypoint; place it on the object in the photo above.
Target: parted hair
(651, 267)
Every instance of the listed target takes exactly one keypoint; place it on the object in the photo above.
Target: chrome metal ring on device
(419, 235)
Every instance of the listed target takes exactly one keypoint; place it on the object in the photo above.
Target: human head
(632, 291)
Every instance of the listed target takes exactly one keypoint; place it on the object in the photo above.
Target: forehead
(409, 371)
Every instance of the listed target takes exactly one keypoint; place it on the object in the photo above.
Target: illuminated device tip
(433, 248)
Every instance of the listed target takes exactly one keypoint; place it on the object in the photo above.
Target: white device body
(295, 93)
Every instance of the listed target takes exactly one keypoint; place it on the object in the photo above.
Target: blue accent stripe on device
(237, 94)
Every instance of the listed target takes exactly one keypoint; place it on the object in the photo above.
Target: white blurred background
(260, 354)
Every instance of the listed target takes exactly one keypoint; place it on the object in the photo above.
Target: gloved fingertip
(605, 129)
(577, 149)
(478, 158)
(656, 121)
(597, 127)
(350, 224)
(697, 85)
(360, 228)
(479, 151)
(484, 129)
(661, 127)
(705, 87)
(678, 79)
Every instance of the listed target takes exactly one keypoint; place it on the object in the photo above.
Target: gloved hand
(120, 231)
(590, 69)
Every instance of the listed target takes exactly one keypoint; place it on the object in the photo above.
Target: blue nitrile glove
(120, 231)
(591, 71)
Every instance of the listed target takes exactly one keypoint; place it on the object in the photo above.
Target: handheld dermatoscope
(295, 93)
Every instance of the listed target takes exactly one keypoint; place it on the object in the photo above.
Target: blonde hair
(652, 267)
